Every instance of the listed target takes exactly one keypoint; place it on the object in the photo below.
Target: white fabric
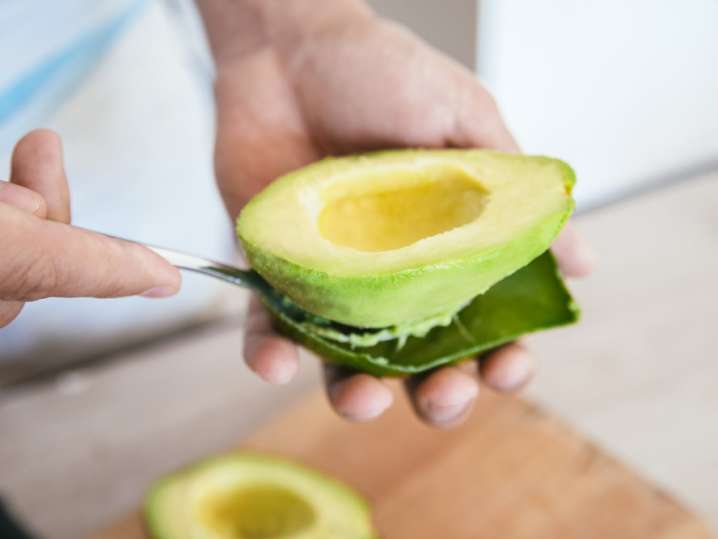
(138, 139)
(31, 31)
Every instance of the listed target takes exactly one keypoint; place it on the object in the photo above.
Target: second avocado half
(409, 259)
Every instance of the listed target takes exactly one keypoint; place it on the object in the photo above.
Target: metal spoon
(273, 298)
(230, 274)
(277, 302)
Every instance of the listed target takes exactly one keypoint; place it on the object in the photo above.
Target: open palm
(349, 88)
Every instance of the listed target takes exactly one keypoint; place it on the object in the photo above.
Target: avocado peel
(533, 298)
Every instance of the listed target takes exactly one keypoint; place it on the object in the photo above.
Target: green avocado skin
(531, 299)
(387, 299)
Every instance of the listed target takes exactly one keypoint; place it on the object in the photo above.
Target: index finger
(46, 258)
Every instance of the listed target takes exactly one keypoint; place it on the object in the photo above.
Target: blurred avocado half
(254, 496)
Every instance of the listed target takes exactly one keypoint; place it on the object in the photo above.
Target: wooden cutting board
(512, 472)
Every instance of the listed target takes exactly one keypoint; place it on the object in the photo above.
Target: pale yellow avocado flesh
(253, 496)
(388, 213)
(255, 511)
(399, 237)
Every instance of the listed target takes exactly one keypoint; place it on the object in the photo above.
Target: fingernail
(279, 373)
(510, 376)
(372, 411)
(159, 292)
(515, 376)
(364, 410)
(447, 413)
(272, 358)
(449, 395)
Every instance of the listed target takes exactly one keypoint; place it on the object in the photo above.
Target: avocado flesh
(393, 239)
(254, 496)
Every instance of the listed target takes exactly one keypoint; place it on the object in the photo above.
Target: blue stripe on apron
(51, 82)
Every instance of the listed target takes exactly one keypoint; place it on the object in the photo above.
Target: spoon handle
(197, 264)
(231, 274)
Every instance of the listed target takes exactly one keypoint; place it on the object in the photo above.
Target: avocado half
(254, 496)
(409, 259)
(403, 236)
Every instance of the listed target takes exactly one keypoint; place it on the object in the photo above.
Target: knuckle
(488, 102)
(481, 100)
(31, 269)
(475, 102)
(113, 281)
(36, 279)
(40, 206)
(112, 287)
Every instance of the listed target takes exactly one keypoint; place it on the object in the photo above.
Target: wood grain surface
(512, 472)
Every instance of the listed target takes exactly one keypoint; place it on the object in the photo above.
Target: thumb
(46, 258)
(37, 165)
(478, 122)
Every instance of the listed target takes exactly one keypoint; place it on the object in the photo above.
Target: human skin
(298, 80)
(44, 256)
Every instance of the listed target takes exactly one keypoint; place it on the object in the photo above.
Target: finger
(23, 199)
(478, 123)
(508, 368)
(356, 397)
(38, 165)
(9, 311)
(45, 258)
(273, 358)
(445, 397)
(573, 253)
(259, 113)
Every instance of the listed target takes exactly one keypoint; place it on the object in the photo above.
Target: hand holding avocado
(352, 84)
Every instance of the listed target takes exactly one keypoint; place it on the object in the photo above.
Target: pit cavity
(256, 512)
(388, 210)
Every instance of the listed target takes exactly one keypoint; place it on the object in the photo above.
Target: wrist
(237, 28)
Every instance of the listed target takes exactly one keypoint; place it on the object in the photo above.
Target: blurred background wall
(449, 25)
(627, 92)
